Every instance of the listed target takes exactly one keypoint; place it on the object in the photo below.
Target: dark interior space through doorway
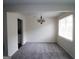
(20, 33)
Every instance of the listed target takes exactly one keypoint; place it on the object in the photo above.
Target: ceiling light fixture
(41, 20)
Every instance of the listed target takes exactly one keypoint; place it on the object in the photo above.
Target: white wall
(37, 32)
(68, 45)
(32, 31)
(12, 31)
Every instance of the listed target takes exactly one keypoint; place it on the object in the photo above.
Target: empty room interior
(38, 29)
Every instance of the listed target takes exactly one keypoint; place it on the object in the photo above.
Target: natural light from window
(66, 27)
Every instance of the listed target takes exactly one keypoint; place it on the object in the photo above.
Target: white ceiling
(47, 14)
(38, 1)
(46, 8)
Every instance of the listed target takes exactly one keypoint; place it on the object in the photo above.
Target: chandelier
(41, 20)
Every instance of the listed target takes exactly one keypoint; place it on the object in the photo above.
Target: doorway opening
(20, 33)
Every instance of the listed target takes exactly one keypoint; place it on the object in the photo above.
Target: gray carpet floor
(41, 51)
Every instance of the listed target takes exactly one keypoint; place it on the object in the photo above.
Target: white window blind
(66, 27)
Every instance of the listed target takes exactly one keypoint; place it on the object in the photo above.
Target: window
(66, 27)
